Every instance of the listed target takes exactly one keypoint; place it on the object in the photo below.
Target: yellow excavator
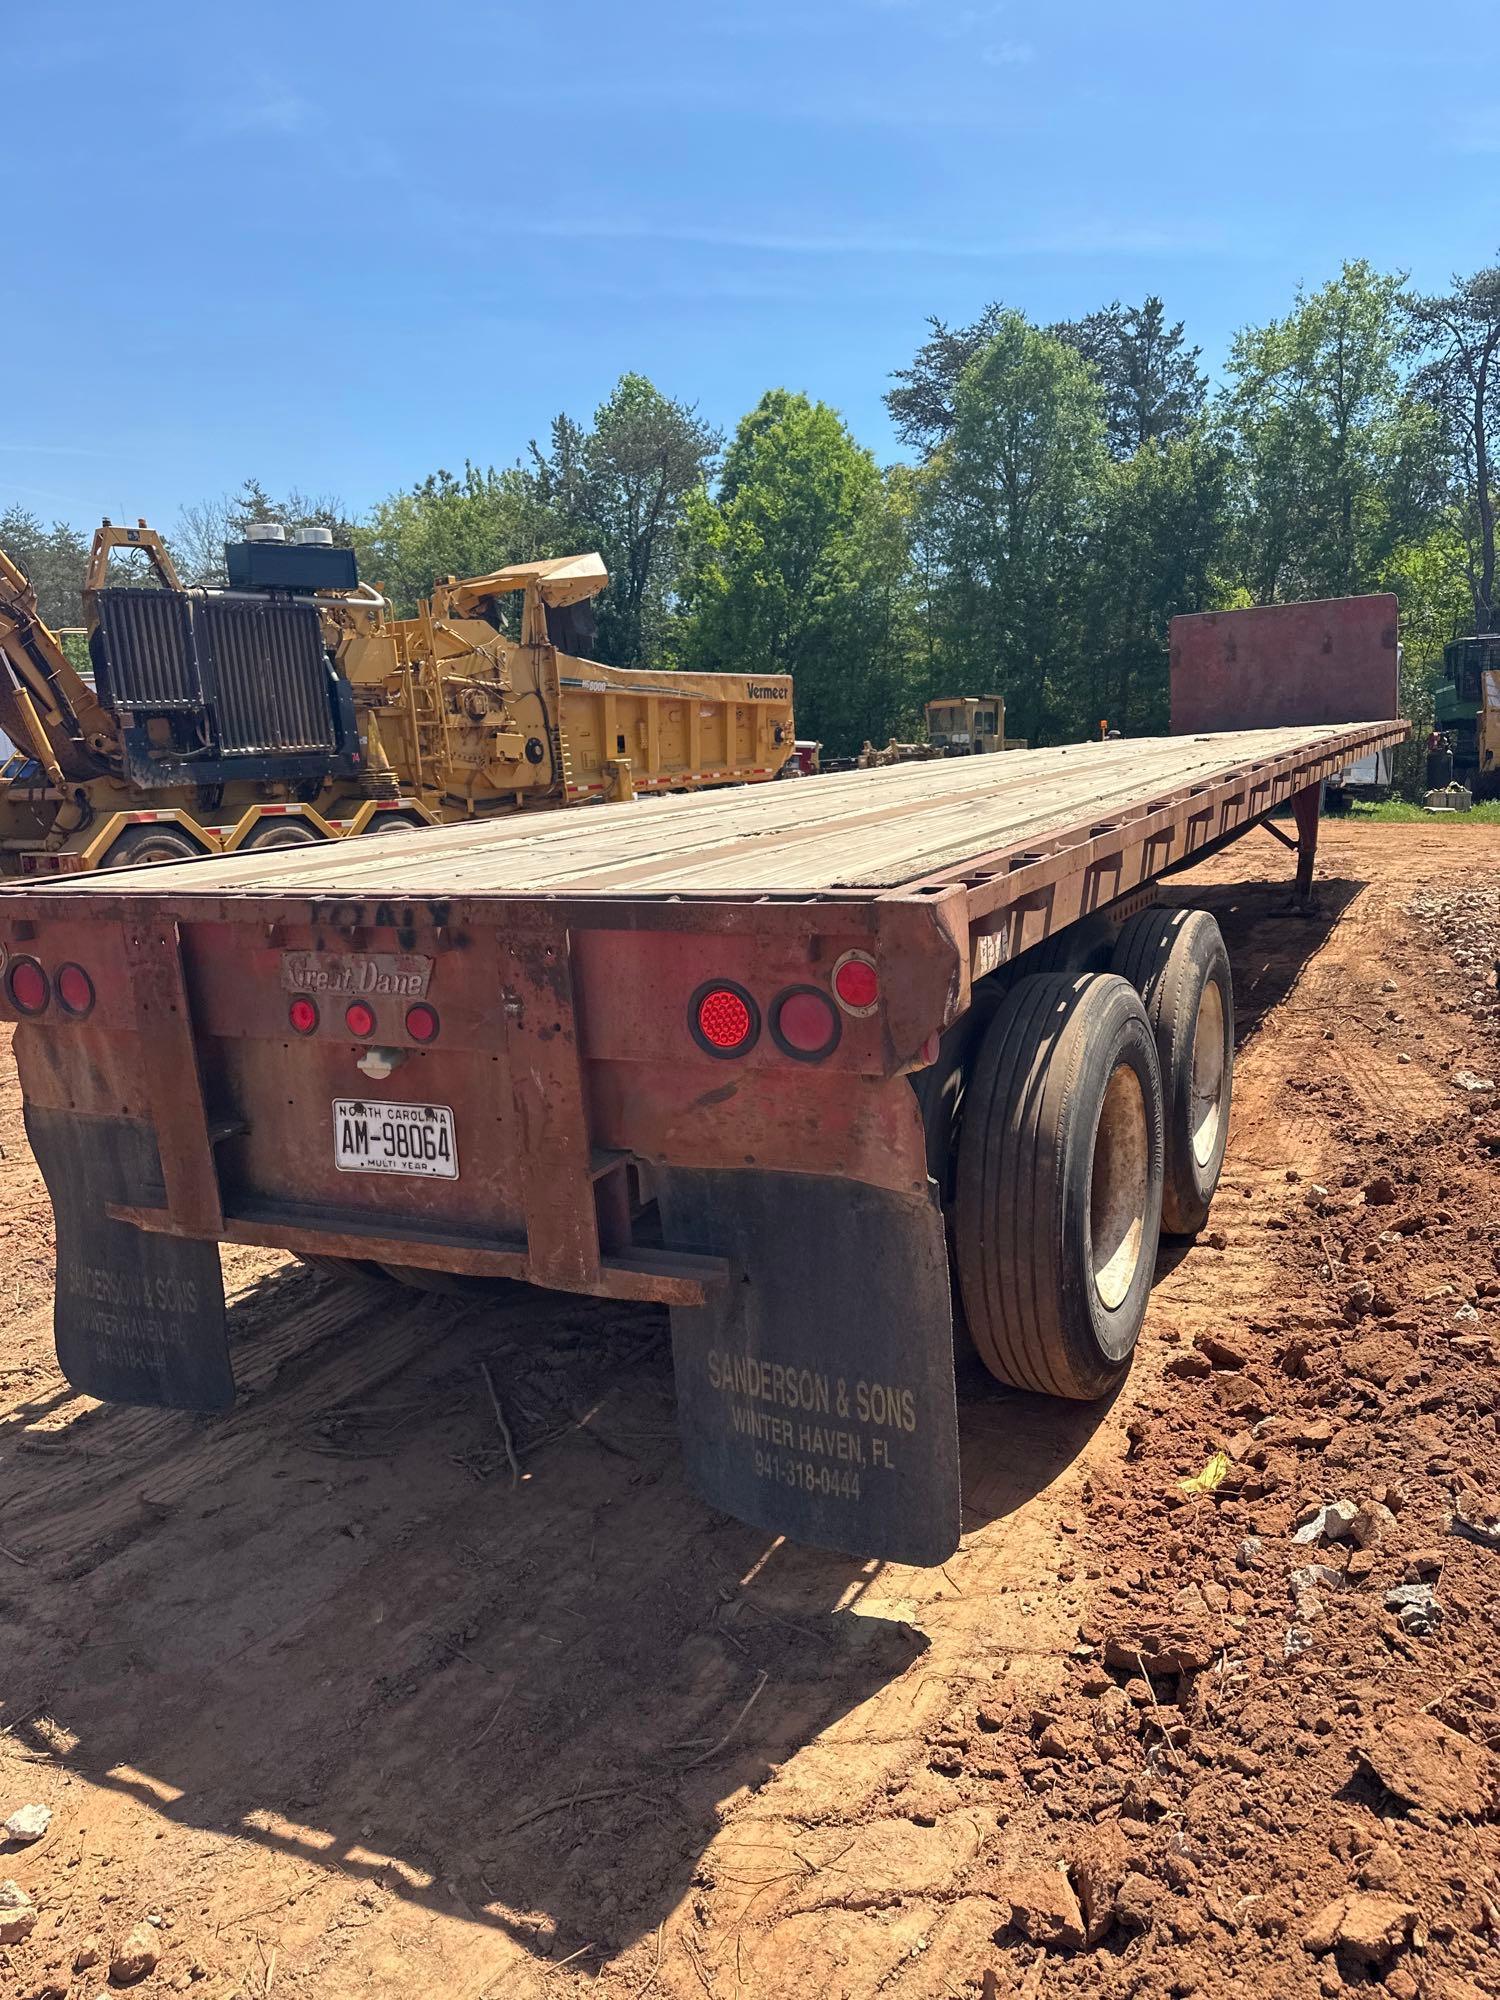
(293, 707)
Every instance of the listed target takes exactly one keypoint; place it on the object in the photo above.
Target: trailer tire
(140, 846)
(1059, 1186)
(279, 833)
(1086, 946)
(1177, 962)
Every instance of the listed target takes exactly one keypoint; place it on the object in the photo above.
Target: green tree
(1009, 499)
(622, 488)
(795, 567)
(1157, 546)
(53, 557)
(1456, 338)
(1153, 387)
(1336, 457)
(454, 525)
(1149, 376)
(203, 527)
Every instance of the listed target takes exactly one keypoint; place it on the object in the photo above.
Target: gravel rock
(28, 1823)
(1333, 1522)
(134, 1955)
(1475, 1518)
(18, 1913)
(1467, 1079)
(1416, 1605)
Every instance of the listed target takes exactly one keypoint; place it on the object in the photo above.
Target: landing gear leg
(1305, 805)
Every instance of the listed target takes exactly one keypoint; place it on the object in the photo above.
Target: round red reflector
(422, 1024)
(855, 983)
(75, 989)
(724, 1019)
(805, 1024)
(27, 986)
(303, 1014)
(359, 1019)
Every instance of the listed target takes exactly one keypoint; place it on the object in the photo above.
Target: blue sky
(338, 246)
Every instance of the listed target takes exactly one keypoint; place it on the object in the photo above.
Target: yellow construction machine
(293, 707)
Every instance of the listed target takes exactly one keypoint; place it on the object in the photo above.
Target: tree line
(1070, 488)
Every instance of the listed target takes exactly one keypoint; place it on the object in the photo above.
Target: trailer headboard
(1333, 660)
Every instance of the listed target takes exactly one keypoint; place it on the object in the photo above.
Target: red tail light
(75, 990)
(805, 1024)
(856, 985)
(359, 1019)
(303, 1014)
(422, 1023)
(28, 986)
(724, 1019)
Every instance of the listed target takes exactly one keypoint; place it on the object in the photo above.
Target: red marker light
(855, 983)
(422, 1023)
(359, 1019)
(27, 985)
(724, 1019)
(75, 990)
(805, 1024)
(303, 1014)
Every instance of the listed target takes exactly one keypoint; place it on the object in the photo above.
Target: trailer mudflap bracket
(137, 1317)
(815, 1391)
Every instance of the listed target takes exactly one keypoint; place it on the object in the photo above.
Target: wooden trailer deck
(863, 835)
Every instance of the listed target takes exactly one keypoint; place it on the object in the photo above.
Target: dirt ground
(333, 1702)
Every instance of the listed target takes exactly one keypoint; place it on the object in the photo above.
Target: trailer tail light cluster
(422, 1023)
(75, 991)
(725, 1020)
(360, 1019)
(31, 990)
(856, 984)
(28, 986)
(805, 1020)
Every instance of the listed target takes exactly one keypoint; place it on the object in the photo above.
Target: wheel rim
(1207, 1086)
(1118, 1187)
(149, 852)
(284, 836)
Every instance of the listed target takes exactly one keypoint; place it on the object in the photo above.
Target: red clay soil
(328, 1699)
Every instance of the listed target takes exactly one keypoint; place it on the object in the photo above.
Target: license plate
(373, 1138)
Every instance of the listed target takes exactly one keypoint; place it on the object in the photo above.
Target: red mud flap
(815, 1395)
(138, 1318)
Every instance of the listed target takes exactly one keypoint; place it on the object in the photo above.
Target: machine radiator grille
(254, 668)
(266, 660)
(148, 659)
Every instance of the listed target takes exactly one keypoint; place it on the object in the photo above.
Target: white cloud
(267, 108)
(1005, 55)
(1085, 239)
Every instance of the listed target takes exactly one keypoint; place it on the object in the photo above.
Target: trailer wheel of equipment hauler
(138, 845)
(1177, 962)
(1059, 1185)
(279, 833)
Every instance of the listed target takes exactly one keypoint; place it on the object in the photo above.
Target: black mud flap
(815, 1395)
(138, 1318)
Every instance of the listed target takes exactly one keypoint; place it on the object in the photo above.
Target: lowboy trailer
(826, 1069)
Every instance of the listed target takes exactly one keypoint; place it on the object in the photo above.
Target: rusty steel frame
(933, 935)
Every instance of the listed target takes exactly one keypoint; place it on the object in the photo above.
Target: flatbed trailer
(825, 1068)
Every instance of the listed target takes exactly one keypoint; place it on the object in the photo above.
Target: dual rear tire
(1094, 1116)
